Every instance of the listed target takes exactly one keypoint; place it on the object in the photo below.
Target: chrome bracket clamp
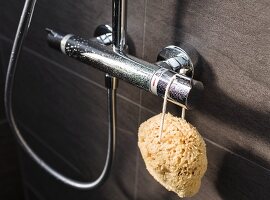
(176, 59)
(103, 35)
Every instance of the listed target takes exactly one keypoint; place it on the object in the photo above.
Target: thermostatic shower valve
(98, 53)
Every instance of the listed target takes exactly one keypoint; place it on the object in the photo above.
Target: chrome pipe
(119, 24)
(151, 77)
(111, 83)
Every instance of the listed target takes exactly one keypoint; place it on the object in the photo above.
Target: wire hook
(164, 107)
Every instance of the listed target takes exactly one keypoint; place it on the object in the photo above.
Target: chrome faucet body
(151, 77)
(113, 60)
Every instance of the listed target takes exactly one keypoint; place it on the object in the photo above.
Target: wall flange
(176, 59)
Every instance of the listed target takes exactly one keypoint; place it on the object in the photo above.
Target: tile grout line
(144, 27)
(135, 103)
(140, 107)
(137, 154)
(51, 149)
(64, 68)
(125, 131)
(29, 50)
(236, 154)
(77, 74)
(3, 37)
(34, 190)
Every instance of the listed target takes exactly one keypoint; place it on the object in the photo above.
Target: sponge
(178, 159)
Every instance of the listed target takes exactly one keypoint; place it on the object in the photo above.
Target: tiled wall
(61, 103)
(10, 177)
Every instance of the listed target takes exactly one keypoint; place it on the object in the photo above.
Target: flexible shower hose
(111, 92)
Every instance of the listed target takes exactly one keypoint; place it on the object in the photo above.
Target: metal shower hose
(111, 92)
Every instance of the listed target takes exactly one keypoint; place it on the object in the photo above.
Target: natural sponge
(178, 159)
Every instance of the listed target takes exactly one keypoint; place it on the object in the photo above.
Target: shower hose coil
(111, 92)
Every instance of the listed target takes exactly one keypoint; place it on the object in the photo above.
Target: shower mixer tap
(154, 78)
(111, 59)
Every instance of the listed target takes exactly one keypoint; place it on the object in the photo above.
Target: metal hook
(178, 61)
(164, 107)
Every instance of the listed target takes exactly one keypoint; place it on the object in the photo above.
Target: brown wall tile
(63, 102)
